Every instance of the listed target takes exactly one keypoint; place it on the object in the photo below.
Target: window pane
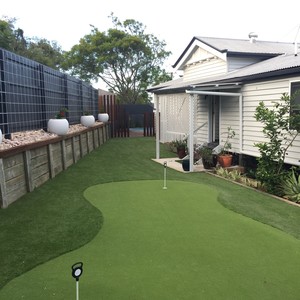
(295, 92)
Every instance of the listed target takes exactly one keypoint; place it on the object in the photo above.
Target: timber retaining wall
(24, 168)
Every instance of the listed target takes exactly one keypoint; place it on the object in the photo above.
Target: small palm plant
(291, 187)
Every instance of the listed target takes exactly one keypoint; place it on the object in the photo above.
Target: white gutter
(213, 93)
(157, 125)
(191, 122)
(191, 134)
(205, 86)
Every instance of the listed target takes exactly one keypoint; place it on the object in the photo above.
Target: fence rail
(31, 94)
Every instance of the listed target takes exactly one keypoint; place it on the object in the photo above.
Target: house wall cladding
(25, 168)
(251, 130)
(235, 63)
(174, 115)
(229, 117)
(202, 109)
(267, 91)
(205, 69)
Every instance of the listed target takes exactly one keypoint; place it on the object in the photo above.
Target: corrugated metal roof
(277, 63)
(264, 68)
(245, 46)
(284, 60)
(240, 47)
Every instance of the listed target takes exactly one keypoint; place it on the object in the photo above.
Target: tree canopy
(10, 38)
(124, 57)
(41, 50)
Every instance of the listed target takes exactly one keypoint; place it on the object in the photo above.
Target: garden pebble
(32, 136)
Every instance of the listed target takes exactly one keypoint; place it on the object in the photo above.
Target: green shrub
(234, 175)
(291, 187)
(279, 125)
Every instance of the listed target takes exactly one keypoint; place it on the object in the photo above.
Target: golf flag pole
(77, 290)
(77, 270)
(165, 175)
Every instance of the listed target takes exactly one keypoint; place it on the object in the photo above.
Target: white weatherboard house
(222, 84)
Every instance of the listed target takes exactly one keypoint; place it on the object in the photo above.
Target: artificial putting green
(178, 243)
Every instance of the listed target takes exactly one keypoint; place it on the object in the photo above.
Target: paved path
(174, 164)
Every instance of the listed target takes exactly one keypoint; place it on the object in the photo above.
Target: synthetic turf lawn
(179, 243)
(55, 218)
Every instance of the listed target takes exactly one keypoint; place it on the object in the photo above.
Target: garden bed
(32, 158)
(32, 136)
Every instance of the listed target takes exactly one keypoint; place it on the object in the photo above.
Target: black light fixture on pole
(77, 270)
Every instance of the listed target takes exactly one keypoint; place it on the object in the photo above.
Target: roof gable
(223, 47)
(194, 46)
(272, 59)
(282, 65)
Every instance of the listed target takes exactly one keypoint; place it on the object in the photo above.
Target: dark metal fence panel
(53, 87)
(73, 99)
(31, 94)
(89, 99)
(20, 99)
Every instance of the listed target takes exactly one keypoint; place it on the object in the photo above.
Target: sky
(175, 22)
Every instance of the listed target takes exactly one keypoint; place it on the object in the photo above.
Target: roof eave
(265, 75)
(234, 82)
(248, 54)
(183, 53)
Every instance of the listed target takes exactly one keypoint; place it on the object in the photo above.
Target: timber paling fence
(125, 116)
(31, 94)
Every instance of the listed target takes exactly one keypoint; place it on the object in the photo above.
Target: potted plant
(87, 119)
(225, 157)
(180, 146)
(209, 159)
(60, 124)
(103, 116)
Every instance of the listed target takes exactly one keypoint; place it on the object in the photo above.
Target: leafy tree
(38, 49)
(125, 58)
(10, 38)
(46, 52)
(281, 127)
(6, 34)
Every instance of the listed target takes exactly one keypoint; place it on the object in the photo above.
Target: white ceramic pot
(0, 136)
(87, 121)
(58, 126)
(103, 117)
